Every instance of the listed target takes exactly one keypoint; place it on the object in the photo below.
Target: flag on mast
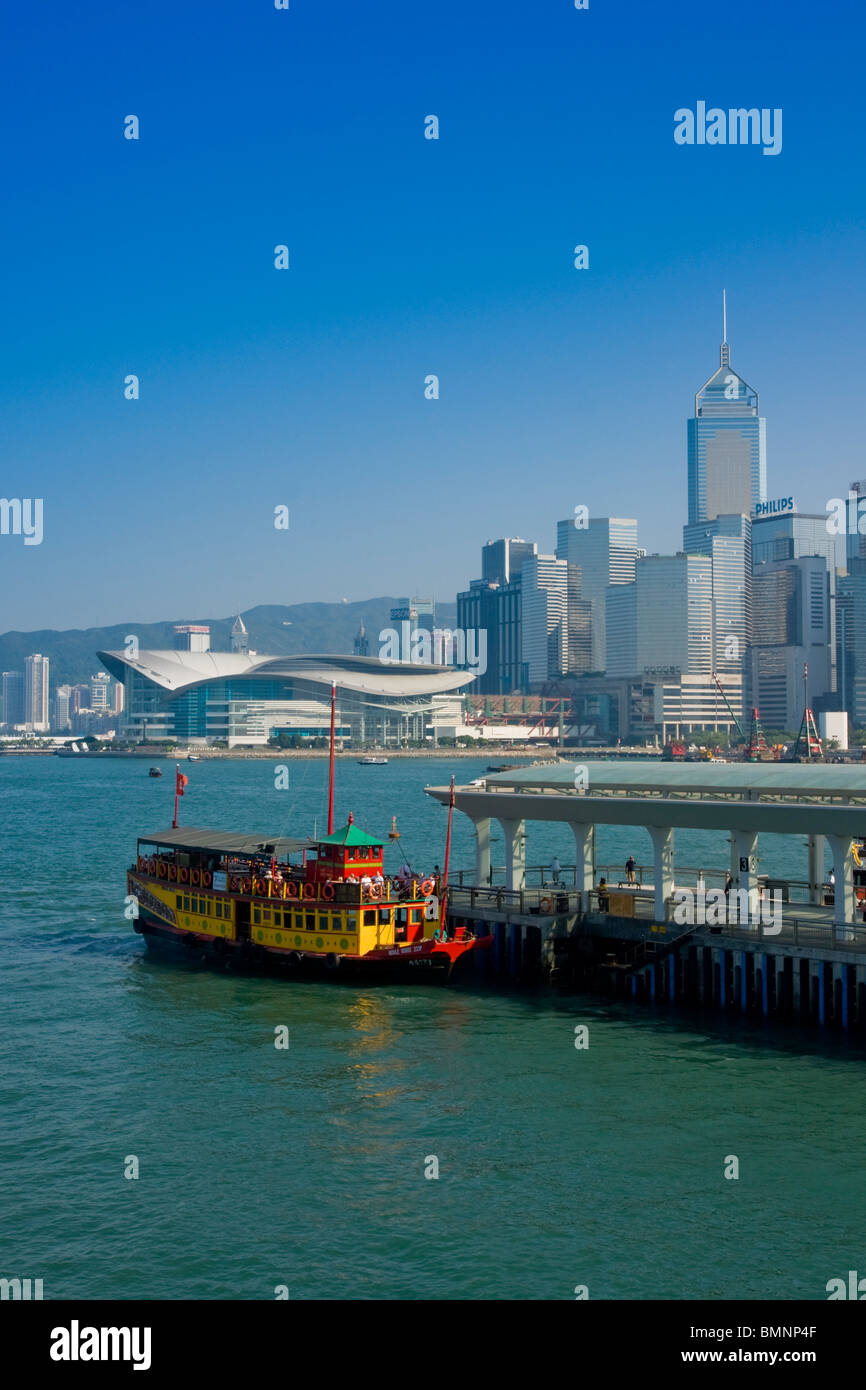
(180, 781)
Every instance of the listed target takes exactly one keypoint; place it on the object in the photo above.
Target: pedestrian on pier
(555, 869)
(729, 883)
(630, 868)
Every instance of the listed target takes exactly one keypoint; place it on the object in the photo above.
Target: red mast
(331, 768)
(180, 781)
(447, 857)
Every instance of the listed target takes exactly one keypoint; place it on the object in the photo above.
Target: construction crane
(721, 690)
(754, 743)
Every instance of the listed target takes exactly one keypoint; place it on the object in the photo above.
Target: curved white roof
(175, 671)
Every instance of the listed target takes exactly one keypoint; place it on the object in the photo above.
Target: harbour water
(304, 1168)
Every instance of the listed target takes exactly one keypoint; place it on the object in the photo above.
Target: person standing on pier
(555, 869)
(630, 868)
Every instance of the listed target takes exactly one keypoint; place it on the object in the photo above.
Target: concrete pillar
(843, 867)
(744, 872)
(584, 840)
(482, 850)
(663, 870)
(515, 853)
(816, 869)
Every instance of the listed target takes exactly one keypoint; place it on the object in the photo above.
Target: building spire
(726, 351)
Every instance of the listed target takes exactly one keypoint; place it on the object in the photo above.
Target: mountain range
(274, 629)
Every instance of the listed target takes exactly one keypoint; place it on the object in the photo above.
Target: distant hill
(314, 627)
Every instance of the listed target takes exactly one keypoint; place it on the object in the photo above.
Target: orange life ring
(261, 888)
(235, 885)
(246, 885)
(292, 888)
(427, 886)
(545, 905)
(328, 891)
(195, 878)
(163, 869)
(183, 874)
(151, 867)
(309, 890)
(172, 872)
(375, 892)
(206, 878)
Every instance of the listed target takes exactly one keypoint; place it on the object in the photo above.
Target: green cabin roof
(349, 835)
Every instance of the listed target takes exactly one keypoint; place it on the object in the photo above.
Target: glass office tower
(727, 451)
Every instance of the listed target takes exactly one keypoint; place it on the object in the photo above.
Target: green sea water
(305, 1167)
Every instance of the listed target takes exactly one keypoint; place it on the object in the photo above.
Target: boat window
(385, 914)
(414, 914)
(370, 918)
(278, 919)
(299, 922)
(311, 921)
(401, 916)
(351, 924)
(185, 903)
(178, 900)
(257, 915)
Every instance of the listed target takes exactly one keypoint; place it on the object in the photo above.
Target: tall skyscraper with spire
(727, 451)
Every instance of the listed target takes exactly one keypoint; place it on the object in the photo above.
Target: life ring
(292, 888)
(195, 878)
(142, 864)
(151, 867)
(206, 878)
(261, 888)
(163, 869)
(246, 885)
(235, 885)
(427, 886)
(375, 892)
(328, 891)
(183, 874)
(545, 905)
(309, 890)
(172, 872)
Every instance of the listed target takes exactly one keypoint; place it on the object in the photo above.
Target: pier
(806, 962)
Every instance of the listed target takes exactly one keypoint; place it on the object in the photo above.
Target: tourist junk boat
(301, 906)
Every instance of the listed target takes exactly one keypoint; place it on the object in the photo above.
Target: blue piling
(722, 970)
(672, 978)
(652, 981)
(765, 988)
(744, 990)
(844, 996)
(498, 946)
(820, 991)
(513, 950)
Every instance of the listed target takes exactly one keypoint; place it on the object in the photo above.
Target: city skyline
(307, 388)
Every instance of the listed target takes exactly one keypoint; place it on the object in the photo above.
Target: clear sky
(408, 256)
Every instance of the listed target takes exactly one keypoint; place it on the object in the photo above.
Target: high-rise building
(791, 656)
(851, 635)
(545, 617)
(13, 698)
(605, 551)
(99, 692)
(797, 535)
(666, 627)
(191, 637)
(36, 692)
(727, 541)
(727, 454)
(502, 560)
(855, 545)
(62, 702)
(79, 699)
(240, 640)
(361, 644)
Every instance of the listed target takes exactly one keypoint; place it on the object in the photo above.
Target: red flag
(182, 781)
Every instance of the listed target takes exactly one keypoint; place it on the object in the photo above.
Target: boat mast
(331, 767)
(447, 857)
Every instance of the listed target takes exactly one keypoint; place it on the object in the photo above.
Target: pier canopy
(815, 800)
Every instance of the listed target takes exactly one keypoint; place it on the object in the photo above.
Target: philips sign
(775, 508)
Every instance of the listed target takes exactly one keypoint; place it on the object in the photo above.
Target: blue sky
(408, 257)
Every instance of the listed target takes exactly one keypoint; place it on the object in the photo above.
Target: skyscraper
(727, 541)
(502, 560)
(240, 639)
(36, 692)
(13, 697)
(545, 616)
(605, 550)
(727, 455)
(361, 645)
(99, 685)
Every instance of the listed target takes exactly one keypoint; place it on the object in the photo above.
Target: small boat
(501, 767)
(372, 762)
(192, 757)
(155, 772)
